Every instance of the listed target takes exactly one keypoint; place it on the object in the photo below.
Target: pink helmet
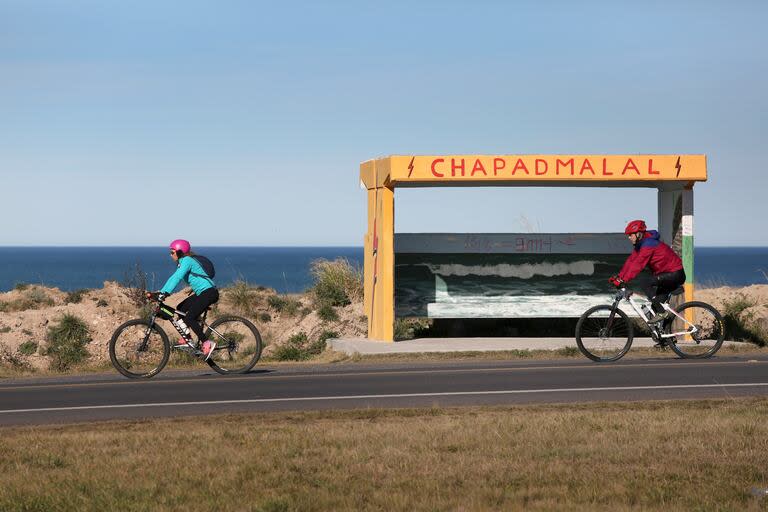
(181, 245)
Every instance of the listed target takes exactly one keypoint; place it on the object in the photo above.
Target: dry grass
(701, 455)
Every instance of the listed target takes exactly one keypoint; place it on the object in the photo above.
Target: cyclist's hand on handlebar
(616, 281)
(158, 296)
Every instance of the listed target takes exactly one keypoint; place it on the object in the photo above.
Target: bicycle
(140, 348)
(692, 330)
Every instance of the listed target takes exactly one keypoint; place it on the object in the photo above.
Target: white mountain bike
(693, 329)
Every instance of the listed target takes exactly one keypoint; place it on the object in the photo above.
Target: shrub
(299, 348)
(242, 297)
(264, 317)
(409, 328)
(102, 304)
(5, 329)
(12, 359)
(337, 282)
(740, 324)
(28, 348)
(20, 286)
(327, 313)
(568, 352)
(75, 297)
(135, 284)
(33, 298)
(282, 304)
(66, 342)
(293, 349)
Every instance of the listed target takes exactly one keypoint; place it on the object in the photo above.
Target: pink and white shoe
(182, 343)
(208, 347)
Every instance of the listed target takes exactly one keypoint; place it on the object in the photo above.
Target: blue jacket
(192, 273)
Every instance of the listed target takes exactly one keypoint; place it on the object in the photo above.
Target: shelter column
(687, 236)
(379, 264)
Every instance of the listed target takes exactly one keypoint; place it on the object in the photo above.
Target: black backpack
(207, 265)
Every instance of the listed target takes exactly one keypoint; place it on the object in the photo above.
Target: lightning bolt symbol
(678, 167)
(410, 166)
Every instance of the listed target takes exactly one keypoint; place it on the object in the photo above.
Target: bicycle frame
(624, 294)
(174, 322)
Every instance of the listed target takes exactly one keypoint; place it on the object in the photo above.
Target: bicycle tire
(591, 336)
(708, 320)
(130, 359)
(240, 349)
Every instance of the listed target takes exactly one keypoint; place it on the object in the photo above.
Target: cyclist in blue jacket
(204, 292)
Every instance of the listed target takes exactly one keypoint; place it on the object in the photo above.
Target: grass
(300, 348)
(551, 457)
(410, 328)
(337, 282)
(75, 297)
(740, 324)
(284, 304)
(327, 313)
(66, 342)
(242, 297)
(31, 298)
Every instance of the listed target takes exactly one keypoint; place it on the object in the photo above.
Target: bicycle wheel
(705, 340)
(600, 341)
(139, 350)
(238, 344)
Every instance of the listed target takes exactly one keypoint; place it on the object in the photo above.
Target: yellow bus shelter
(672, 175)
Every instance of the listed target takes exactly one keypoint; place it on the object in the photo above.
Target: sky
(245, 122)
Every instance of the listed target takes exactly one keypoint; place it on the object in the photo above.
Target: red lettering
(434, 167)
(651, 170)
(564, 163)
(455, 167)
(586, 165)
(605, 169)
(479, 168)
(546, 166)
(498, 164)
(520, 165)
(520, 244)
(630, 165)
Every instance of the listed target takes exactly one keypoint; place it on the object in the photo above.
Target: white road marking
(370, 397)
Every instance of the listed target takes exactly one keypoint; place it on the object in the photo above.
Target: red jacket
(651, 252)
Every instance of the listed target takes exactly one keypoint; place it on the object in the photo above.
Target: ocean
(285, 269)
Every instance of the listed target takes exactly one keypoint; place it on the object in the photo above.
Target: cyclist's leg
(195, 307)
(666, 283)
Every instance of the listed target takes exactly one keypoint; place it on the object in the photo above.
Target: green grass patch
(284, 304)
(410, 328)
(327, 313)
(242, 297)
(66, 342)
(75, 297)
(32, 298)
(28, 348)
(337, 282)
(740, 324)
(300, 348)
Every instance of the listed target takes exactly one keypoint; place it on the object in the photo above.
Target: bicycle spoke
(602, 335)
(699, 333)
(238, 345)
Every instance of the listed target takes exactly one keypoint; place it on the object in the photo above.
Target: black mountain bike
(139, 348)
(693, 329)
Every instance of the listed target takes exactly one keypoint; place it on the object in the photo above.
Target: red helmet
(181, 245)
(635, 226)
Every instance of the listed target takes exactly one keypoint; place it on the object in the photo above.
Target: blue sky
(244, 123)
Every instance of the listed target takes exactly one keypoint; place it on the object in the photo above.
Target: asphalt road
(280, 388)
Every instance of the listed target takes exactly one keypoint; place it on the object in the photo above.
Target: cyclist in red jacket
(649, 251)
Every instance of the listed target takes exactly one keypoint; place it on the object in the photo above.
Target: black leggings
(194, 305)
(661, 285)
